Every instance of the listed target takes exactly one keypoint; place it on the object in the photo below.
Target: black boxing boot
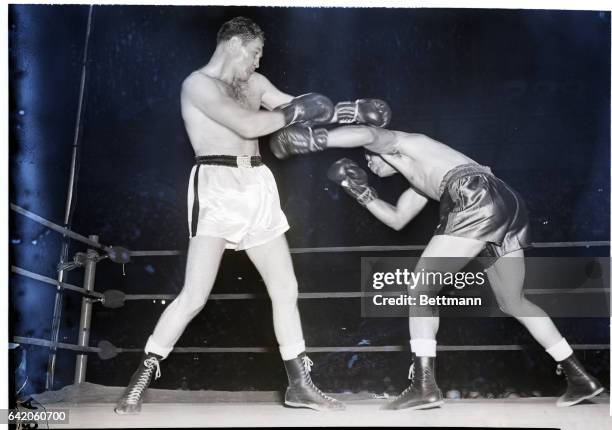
(131, 401)
(302, 392)
(580, 385)
(423, 392)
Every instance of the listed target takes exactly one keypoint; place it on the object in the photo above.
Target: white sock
(560, 350)
(423, 347)
(153, 347)
(289, 352)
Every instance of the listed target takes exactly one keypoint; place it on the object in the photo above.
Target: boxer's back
(425, 161)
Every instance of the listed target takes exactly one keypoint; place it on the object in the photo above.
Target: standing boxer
(234, 203)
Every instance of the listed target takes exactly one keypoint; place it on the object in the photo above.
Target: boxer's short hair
(245, 28)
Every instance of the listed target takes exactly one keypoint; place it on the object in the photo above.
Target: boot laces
(307, 363)
(144, 378)
(411, 372)
(307, 368)
(411, 378)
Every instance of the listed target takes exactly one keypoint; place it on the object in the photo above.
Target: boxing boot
(580, 385)
(302, 392)
(131, 400)
(423, 392)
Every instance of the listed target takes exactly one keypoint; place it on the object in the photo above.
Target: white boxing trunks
(235, 201)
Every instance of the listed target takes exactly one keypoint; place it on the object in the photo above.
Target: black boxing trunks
(476, 204)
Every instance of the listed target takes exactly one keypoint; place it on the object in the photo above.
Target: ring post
(85, 322)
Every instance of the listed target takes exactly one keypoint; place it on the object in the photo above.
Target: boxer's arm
(204, 95)
(352, 136)
(408, 206)
(271, 96)
(303, 139)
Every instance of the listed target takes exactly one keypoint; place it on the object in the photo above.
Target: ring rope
(47, 280)
(249, 296)
(63, 230)
(380, 248)
(50, 344)
(321, 249)
(312, 349)
(349, 295)
(155, 253)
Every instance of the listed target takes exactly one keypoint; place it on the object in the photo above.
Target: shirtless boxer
(479, 215)
(233, 201)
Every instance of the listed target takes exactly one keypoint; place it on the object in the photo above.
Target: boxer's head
(379, 166)
(241, 27)
(244, 41)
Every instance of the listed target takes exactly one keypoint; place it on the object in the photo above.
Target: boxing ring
(166, 408)
(91, 405)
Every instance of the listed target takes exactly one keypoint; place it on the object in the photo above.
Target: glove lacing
(368, 194)
(348, 108)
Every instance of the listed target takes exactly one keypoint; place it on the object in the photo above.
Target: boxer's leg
(203, 258)
(447, 254)
(506, 277)
(273, 262)
(444, 253)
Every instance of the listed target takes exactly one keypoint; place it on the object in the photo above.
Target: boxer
(233, 203)
(479, 215)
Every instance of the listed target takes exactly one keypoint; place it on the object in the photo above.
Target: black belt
(230, 160)
(217, 160)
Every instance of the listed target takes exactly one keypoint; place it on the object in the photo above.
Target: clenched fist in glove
(311, 108)
(297, 139)
(364, 111)
(353, 179)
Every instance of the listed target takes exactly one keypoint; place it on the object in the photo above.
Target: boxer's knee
(423, 291)
(513, 307)
(190, 304)
(284, 292)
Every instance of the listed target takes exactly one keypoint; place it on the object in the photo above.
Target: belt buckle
(243, 161)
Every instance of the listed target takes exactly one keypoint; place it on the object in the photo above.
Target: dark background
(525, 92)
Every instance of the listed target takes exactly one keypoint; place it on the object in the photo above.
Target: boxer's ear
(234, 44)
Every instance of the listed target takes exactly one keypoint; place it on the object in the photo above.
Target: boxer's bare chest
(423, 176)
(243, 93)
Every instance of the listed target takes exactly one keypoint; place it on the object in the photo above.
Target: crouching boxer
(479, 215)
(233, 203)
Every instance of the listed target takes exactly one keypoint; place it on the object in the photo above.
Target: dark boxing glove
(364, 111)
(297, 139)
(312, 108)
(353, 179)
